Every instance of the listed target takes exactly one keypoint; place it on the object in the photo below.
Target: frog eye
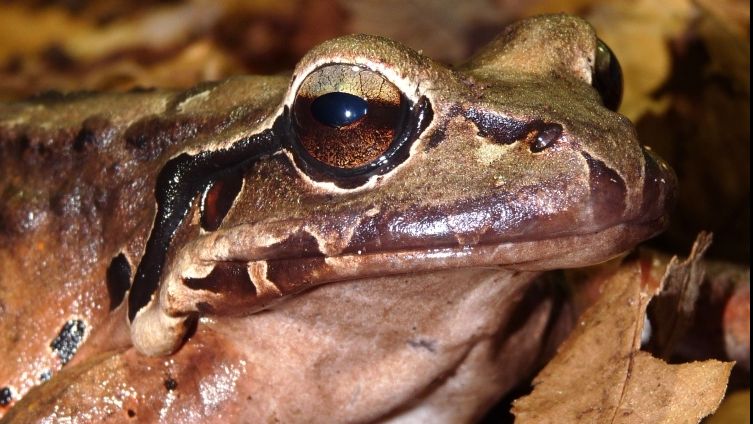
(607, 76)
(348, 120)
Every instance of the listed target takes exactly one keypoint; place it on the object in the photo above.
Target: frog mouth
(265, 261)
(246, 268)
(501, 229)
(242, 284)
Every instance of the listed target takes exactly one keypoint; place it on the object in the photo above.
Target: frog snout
(659, 188)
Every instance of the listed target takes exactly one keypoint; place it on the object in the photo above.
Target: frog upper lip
(298, 273)
(302, 245)
(470, 227)
(506, 222)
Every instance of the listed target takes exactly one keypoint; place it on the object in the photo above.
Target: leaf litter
(600, 375)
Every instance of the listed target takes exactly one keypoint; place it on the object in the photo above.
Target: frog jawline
(559, 252)
(293, 275)
(161, 326)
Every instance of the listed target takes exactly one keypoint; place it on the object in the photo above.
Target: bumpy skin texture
(410, 282)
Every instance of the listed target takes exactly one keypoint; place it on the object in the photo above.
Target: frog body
(219, 239)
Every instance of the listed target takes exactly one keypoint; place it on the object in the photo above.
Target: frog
(362, 240)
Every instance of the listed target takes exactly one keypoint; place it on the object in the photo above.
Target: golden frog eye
(347, 117)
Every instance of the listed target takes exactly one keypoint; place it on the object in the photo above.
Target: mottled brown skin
(58, 234)
(78, 179)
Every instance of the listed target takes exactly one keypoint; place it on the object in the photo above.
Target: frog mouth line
(254, 284)
(252, 265)
(499, 219)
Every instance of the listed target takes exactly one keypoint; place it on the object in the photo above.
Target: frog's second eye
(607, 76)
(346, 119)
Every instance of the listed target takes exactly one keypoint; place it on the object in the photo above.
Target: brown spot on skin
(439, 134)
(500, 128)
(232, 288)
(608, 192)
(228, 278)
(204, 308)
(428, 345)
(96, 132)
(436, 138)
(37, 146)
(504, 130)
(293, 276)
(545, 136)
(152, 135)
(301, 242)
(219, 198)
(171, 384)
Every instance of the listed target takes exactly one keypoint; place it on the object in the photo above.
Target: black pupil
(338, 109)
(607, 78)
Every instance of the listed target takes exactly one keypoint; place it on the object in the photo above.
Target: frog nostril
(545, 136)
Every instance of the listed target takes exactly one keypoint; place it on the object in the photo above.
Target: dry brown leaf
(599, 375)
(673, 310)
(101, 47)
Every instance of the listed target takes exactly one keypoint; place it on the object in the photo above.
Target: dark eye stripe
(179, 182)
(339, 109)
